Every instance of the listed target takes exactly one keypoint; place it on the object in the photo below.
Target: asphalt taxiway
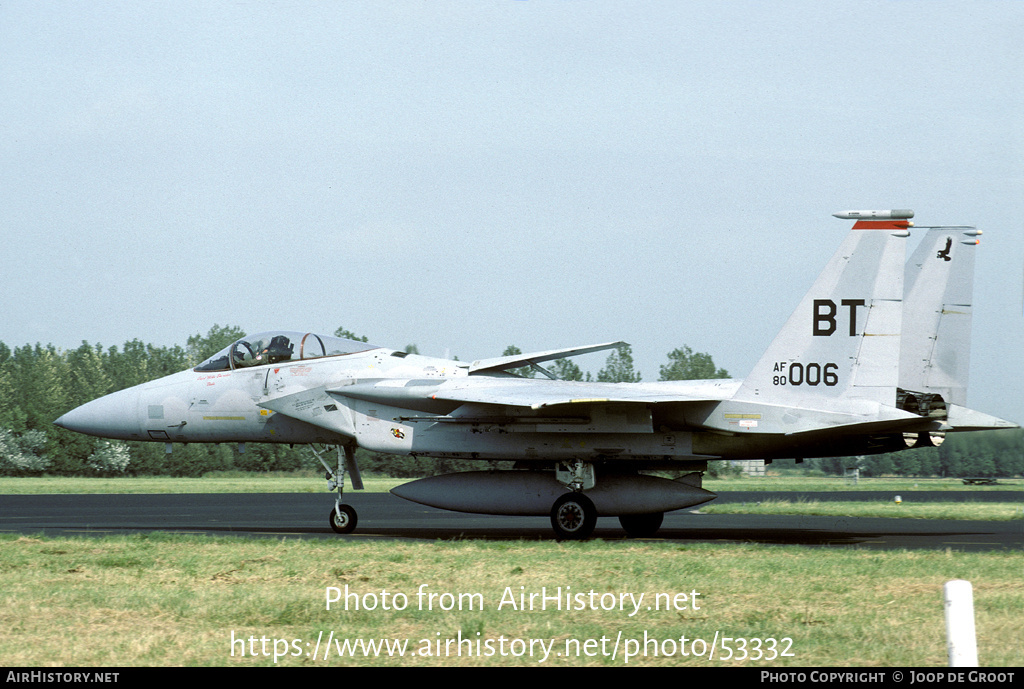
(384, 516)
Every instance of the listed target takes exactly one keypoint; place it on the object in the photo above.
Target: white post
(960, 638)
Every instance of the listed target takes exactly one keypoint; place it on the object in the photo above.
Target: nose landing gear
(343, 518)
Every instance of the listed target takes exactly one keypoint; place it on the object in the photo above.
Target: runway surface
(384, 516)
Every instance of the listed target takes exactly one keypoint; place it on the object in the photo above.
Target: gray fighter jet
(861, 367)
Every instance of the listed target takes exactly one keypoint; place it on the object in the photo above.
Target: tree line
(40, 383)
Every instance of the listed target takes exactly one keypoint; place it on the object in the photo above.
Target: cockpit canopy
(278, 346)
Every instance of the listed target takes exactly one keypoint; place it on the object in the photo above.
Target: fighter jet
(838, 380)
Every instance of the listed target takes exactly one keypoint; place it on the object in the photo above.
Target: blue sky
(469, 175)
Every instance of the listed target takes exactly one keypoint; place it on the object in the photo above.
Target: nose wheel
(343, 519)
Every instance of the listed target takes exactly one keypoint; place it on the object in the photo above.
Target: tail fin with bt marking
(843, 340)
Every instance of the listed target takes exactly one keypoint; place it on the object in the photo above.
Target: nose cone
(113, 416)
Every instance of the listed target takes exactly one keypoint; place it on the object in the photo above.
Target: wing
(544, 405)
(540, 394)
(643, 407)
(502, 363)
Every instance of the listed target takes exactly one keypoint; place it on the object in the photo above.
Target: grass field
(908, 509)
(183, 600)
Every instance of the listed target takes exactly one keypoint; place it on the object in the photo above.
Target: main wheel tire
(573, 517)
(344, 521)
(642, 525)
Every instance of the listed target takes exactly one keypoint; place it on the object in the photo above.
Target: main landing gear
(574, 516)
(642, 525)
(343, 518)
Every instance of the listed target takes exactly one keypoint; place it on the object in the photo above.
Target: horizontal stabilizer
(964, 419)
(901, 422)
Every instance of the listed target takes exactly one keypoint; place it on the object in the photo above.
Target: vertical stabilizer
(938, 287)
(843, 340)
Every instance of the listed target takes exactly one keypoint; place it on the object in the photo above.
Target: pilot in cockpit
(279, 349)
(260, 351)
(243, 355)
